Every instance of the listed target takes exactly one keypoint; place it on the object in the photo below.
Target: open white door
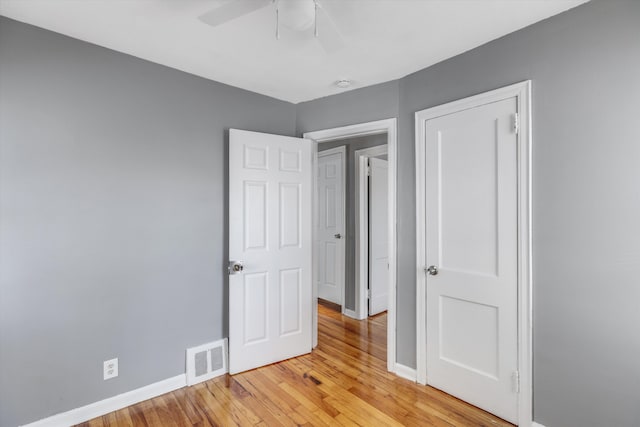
(471, 207)
(378, 236)
(331, 219)
(270, 249)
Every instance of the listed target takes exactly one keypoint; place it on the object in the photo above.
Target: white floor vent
(206, 361)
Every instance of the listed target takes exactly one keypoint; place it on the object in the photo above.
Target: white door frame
(522, 92)
(387, 126)
(362, 228)
(337, 150)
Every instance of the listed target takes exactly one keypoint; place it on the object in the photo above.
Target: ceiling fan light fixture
(296, 15)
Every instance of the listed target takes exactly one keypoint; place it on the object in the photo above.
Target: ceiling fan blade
(343, 14)
(328, 34)
(232, 10)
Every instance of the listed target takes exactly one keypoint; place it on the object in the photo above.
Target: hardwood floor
(343, 382)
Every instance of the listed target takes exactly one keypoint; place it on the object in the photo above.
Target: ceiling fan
(295, 15)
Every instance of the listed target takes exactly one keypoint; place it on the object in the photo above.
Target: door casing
(389, 127)
(522, 93)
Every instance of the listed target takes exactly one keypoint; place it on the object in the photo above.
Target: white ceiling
(383, 39)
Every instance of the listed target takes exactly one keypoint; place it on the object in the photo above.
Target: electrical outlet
(110, 368)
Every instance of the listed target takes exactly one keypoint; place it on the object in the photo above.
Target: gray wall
(356, 106)
(584, 65)
(112, 217)
(112, 208)
(352, 144)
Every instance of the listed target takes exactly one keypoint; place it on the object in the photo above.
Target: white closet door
(471, 234)
(378, 246)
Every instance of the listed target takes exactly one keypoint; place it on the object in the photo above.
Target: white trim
(535, 424)
(405, 372)
(352, 131)
(350, 313)
(522, 92)
(421, 294)
(97, 409)
(362, 226)
(314, 245)
(362, 238)
(525, 258)
(387, 126)
(343, 151)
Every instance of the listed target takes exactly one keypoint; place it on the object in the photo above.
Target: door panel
(291, 210)
(331, 202)
(255, 215)
(256, 297)
(378, 236)
(290, 295)
(270, 303)
(471, 235)
(471, 335)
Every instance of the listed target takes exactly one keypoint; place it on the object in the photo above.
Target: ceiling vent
(206, 361)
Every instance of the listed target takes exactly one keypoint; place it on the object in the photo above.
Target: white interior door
(270, 197)
(331, 219)
(471, 238)
(378, 245)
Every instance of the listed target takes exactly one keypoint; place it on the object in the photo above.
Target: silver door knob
(338, 236)
(235, 267)
(432, 270)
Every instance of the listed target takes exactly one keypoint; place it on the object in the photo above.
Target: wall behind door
(584, 65)
(352, 145)
(112, 217)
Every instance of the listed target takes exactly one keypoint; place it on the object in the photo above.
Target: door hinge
(515, 380)
(368, 170)
(368, 293)
(516, 123)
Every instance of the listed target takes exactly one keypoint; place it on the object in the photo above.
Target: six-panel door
(270, 201)
(331, 221)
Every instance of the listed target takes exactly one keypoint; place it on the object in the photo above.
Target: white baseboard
(350, 313)
(97, 409)
(406, 372)
(535, 424)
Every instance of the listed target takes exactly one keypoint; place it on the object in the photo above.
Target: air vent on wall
(206, 361)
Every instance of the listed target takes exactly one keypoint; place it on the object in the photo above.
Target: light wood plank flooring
(343, 382)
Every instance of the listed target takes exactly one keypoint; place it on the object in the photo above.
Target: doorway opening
(371, 249)
(357, 261)
(352, 187)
